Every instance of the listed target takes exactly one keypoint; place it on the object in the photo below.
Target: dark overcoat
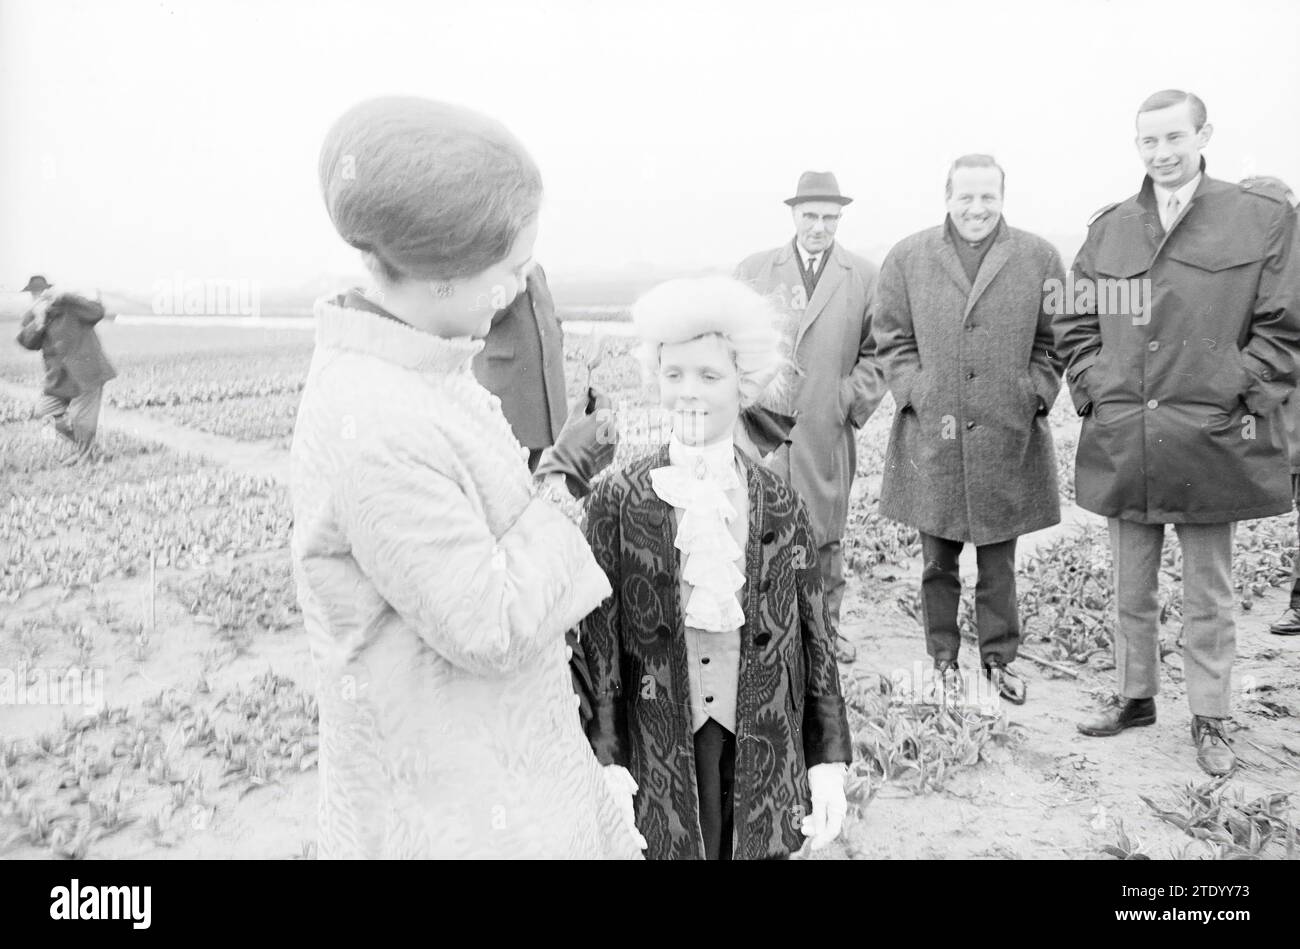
(1181, 420)
(973, 373)
(522, 364)
(790, 714)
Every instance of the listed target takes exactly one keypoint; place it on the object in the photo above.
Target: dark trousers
(715, 777)
(996, 618)
(534, 456)
(1295, 563)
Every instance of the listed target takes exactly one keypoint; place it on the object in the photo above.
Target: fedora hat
(36, 284)
(818, 186)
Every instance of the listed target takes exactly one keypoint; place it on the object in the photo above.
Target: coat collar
(1004, 245)
(1146, 196)
(992, 264)
(1138, 220)
(832, 275)
(389, 339)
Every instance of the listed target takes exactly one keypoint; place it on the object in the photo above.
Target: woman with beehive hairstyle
(436, 578)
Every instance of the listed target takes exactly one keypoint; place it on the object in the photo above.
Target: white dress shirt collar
(1184, 196)
(805, 257)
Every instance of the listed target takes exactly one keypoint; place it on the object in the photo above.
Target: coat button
(1152, 404)
(969, 327)
(704, 661)
(769, 536)
(970, 375)
(1153, 345)
(969, 426)
(762, 639)
(708, 698)
(663, 631)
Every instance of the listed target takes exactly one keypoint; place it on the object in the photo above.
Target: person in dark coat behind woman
(62, 327)
(522, 364)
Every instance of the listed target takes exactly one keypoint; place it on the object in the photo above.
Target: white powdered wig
(681, 310)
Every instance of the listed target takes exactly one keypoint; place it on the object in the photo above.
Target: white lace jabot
(697, 480)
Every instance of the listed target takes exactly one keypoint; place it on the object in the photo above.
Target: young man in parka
(1179, 393)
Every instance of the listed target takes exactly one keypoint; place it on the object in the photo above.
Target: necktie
(812, 266)
(1174, 206)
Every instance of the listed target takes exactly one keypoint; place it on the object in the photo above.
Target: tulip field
(157, 697)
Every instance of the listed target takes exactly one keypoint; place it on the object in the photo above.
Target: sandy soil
(1052, 793)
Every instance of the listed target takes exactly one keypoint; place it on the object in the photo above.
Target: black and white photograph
(690, 431)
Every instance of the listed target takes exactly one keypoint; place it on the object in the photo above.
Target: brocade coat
(790, 714)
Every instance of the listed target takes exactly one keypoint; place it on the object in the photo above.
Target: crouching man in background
(62, 327)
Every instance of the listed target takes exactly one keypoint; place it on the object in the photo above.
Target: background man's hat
(36, 285)
(818, 186)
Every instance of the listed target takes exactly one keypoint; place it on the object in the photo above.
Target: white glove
(622, 786)
(829, 805)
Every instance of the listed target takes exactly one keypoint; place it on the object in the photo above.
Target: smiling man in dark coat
(1180, 401)
(967, 350)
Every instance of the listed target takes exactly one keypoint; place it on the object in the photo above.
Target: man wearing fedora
(832, 381)
(62, 327)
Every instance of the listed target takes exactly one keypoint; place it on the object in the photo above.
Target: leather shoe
(1009, 685)
(1213, 753)
(1122, 714)
(1288, 624)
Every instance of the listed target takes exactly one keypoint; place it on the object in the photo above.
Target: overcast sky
(145, 138)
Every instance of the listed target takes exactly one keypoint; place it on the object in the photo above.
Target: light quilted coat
(436, 592)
